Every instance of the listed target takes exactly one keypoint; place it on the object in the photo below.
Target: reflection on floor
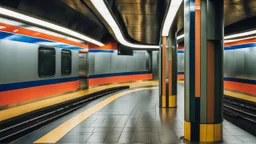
(133, 118)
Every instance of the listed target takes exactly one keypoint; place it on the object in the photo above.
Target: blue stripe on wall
(100, 51)
(240, 80)
(117, 74)
(34, 40)
(241, 46)
(180, 51)
(180, 72)
(20, 85)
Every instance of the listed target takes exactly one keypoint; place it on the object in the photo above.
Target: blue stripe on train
(20, 85)
(117, 74)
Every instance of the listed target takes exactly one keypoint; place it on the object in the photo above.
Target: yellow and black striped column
(204, 32)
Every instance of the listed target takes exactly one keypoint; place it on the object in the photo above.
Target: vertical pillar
(204, 32)
(162, 72)
(172, 69)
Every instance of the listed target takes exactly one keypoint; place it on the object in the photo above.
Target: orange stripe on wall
(197, 47)
(21, 95)
(240, 87)
(252, 40)
(180, 76)
(23, 31)
(115, 79)
(108, 46)
(180, 47)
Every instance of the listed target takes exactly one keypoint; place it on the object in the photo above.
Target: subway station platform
(129, 116)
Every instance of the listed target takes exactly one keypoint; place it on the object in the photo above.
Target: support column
(204, 32)
(172, 69)
(162, 72)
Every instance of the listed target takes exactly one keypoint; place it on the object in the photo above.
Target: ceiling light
(243, 34)
(234, 40)
(172, 11)
(180, 37)
(231, 38)
(48, 25)
(106, 14)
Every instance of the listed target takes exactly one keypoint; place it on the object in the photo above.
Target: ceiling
(240, 15)
(140, 20)
(72, 14)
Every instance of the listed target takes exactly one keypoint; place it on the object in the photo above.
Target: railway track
(13, 129)
(240, 112)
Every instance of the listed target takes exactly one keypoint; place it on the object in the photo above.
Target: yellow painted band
(211, 132)
(163, 101)
(208, 132)
(56, 134)
(240, 95)
(187, 130)
(181, 81)
(173, 101)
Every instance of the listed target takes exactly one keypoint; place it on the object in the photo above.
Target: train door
(83, 70)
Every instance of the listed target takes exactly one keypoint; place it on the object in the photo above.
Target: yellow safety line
(236, 95)
(240, 95)
(181, 81)
(19, 110)
(56, 134)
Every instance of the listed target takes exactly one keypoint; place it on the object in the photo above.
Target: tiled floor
(134, 118)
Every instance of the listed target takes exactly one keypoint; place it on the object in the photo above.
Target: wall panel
(103, 63)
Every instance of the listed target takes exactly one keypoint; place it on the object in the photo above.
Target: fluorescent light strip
(53, 33)
(180, 37)
(234, 40)
(243, 34)
(172, 11)
(48, 25)
(227, 39)
(11, 22)
(105, 13)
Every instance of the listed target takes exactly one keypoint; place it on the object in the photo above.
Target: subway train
(38, 64)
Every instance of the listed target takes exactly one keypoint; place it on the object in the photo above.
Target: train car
(36, 63)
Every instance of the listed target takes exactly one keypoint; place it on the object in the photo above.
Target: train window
(66, 62)
(46, 62)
